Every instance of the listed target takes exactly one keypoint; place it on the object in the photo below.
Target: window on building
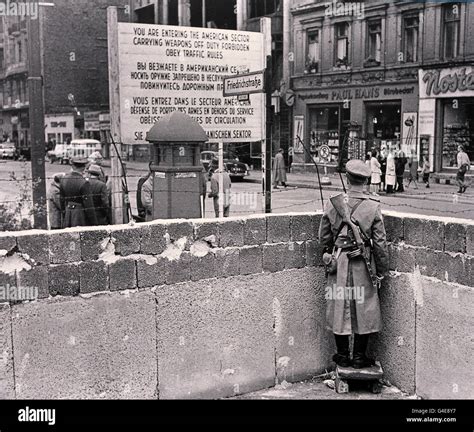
(342, 44)
(20, 52)
(410, 39)
(258, 8)
(374, 41)
(451, 26)
(313, 54)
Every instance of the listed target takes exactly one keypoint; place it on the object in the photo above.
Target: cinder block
(127, 241)
(179, 230)
(227, 262)
(151, 274)
(100, 348)
(433, 234)
(7, 382)
(456, 269)
(94, 277)
(36, 278)
(123, 275)
(8, 281)
(203, 267)
(314, 253)
(296, 255)
(255, 231)
(444, 323)
(220, 354)
(470, 240)
(316, 218)
(8, 244)
(206, 229)
(431, 263)
(302, 228)
(251, 260)
(393, 228)
(455, 238)
(36, 246)
(92, 244)
(275, 257)
(153, 240)
(231, 234)
(178, 271)
(413, 232)
(394, 346)
(304, 347)
(278, 229)
(64, 280)
(402, 258)
(65, 248)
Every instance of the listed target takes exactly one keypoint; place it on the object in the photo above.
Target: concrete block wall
(209, 309)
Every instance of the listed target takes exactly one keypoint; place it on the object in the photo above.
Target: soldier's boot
(360, 360)
(342, 358)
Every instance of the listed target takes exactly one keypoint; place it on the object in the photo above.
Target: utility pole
(268, 138)
(36, 117)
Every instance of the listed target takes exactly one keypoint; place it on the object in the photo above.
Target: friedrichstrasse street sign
(253, 82)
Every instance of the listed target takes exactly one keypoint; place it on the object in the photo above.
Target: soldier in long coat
(100, 195)
(279, 170)
(76, 197)
(353, 300)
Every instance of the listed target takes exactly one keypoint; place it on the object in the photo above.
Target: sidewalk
(316, 389)
(436, 192)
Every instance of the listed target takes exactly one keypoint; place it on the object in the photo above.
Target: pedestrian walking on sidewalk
(413, 165)
(376, 177)
(400, 164)
(279, 170)
(353, 235)
(425, 171)
(464, 165)
(215, 189)
(383, 167)
(390, 176)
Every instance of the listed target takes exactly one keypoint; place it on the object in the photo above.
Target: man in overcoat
(352, 293)
(279, 170)
(76, 197)
(100, 195)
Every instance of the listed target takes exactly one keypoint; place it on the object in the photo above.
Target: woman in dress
(376, 178)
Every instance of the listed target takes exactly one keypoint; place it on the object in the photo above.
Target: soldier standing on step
(356, 260)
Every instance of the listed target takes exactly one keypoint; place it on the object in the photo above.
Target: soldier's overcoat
(348, 315)
(76, 201)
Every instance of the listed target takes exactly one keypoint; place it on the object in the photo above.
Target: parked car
(59, 154)
(83, 148)
(235, 168)
(7, 151)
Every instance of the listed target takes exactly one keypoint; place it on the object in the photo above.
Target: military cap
(358, 169)
(95, 170)
(79, 161)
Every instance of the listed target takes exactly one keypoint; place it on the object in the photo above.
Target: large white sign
(167, 68)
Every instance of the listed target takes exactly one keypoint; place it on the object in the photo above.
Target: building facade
(75, 72)
(363, 76)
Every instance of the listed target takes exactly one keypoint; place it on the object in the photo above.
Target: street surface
(440, 200)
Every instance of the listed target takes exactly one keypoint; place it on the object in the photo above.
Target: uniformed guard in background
(76, 197)
(353, 234)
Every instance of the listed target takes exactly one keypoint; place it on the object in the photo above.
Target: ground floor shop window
(458, 130)
(384, 125)
(327, 125)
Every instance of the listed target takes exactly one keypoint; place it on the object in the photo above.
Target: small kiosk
(176, 166)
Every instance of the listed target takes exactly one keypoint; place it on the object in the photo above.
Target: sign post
(114, 90)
